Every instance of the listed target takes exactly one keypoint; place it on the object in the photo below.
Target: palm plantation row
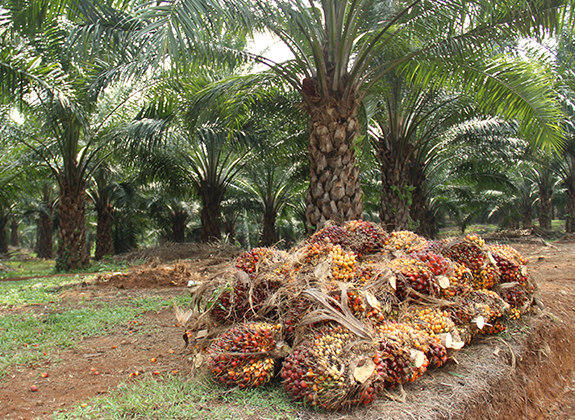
(156, 117)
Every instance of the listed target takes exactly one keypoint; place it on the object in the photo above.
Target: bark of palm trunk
(269, 234)
(211, 218)
(72, 252)
(44, 237)
(179, 221)
(526, 218)
(3, 236)
(334, 191)
(14, 239)
(104, 242)
(570, 212)
(396, 191)
(545, 209)
(420, 211)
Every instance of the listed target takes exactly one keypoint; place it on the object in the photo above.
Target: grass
(26, 336)
(174, 397)
(27, 268)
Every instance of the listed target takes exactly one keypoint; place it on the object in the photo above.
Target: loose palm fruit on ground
(430, 320)
(364, 237)
(485, 277)
(322, 370)
(243, 356)
(404, 241)
(414, 274)
(470, 251)
(511, 264)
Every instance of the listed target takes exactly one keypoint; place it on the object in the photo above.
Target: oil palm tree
(336, 46)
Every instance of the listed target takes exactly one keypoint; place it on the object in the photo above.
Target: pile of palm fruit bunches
(352, 311)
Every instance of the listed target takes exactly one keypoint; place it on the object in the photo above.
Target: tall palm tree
(335, 46)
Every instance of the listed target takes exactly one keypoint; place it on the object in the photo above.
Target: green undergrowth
(175, 397)
(43, 325)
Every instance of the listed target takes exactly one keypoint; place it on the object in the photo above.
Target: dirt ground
(528, 375)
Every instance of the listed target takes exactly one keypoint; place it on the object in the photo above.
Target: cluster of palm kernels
(485, 277)
(470, 251)
(511, 264)
(365, 237)
(241, 356)
(316, 372)
(413, 274)
(405, 241)
(430, 320)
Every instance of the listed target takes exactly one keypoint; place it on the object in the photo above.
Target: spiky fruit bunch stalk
(364, 237)
(414, 274)
(355, 302)
(511, 264)
(404, 241)
(485, 277)
(430, 320)
(470, 251)
(324, 370)
(243, 356)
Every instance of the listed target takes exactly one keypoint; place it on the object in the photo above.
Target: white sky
(270, 47)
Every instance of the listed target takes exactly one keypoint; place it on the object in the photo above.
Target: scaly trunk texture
(211, 218)
(72, 252)
(3, 236)
(229, 226)
(420, 212)
(14, 239)
(545, 209)
(44, 237)
(269, 234)
(396, 189)
(104, 242)
(179, 222)
(334, 190)
(526, 217)
(570, 212)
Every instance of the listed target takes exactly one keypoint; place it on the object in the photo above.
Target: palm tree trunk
(14, 240)
(211, 218)
(570, 212)
(72, 251)
(3, 236)
(269, 234)
(396, 191)
(420, 211)
(179, 221)
(335, 190)
(526, 217)
(104, 242)
(44, 237)
(545, 209)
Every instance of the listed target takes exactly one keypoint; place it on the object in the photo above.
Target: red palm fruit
(364, 237)
(404, 241)
(413, 274)
(511, 264)
(469, 251)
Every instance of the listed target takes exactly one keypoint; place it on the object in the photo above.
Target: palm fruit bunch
(250, 261)
(333, 234)
(494, 327)
(325, 371)
(414, 274)
(355, 303)
(430, 320)
(497, 306)
(517, 296)
(437, 353)
(241, 298)
(438, 264)
(485, 277)
(404, 241)
(343, 264)
(243, 356)
(299, 306)
(469, 251)
(459, 281)
(511, 264)
(394, 365)
(364, 237)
